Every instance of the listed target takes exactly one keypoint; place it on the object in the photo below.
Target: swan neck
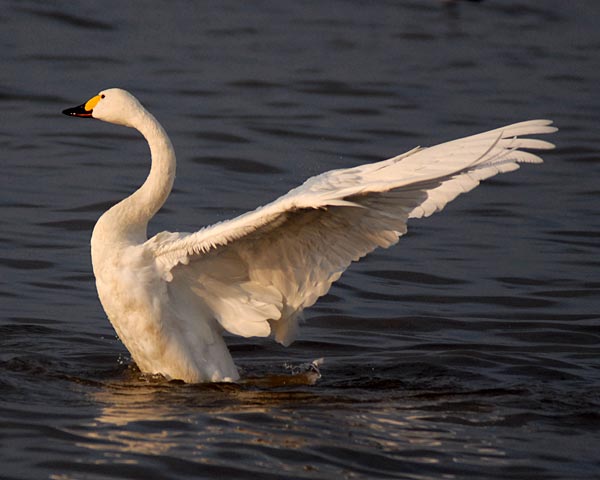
(128, 220)
(156, 189)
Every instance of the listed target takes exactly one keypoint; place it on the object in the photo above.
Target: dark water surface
(470, 350)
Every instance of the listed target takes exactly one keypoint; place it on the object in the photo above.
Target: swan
(170, 298)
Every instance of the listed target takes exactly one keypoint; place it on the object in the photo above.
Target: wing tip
(539, 126)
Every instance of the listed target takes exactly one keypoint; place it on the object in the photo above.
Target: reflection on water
(125, 421)
(271, 427)
(139, 414)
(375, 426)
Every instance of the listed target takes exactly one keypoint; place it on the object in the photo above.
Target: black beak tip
(78, 111)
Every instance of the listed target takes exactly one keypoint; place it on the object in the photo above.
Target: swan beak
(84, 110)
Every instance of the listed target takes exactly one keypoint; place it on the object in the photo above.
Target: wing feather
(256, 273)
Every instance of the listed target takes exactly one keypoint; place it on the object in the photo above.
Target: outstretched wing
(257, 272)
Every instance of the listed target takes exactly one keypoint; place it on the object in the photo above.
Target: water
(471, 350)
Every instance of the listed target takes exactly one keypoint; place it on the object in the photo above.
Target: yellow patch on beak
(92, 102)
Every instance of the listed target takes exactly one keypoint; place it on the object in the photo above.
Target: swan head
(113, 105)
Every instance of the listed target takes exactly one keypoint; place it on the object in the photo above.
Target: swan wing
(256, 273)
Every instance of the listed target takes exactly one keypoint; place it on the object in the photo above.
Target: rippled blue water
(470, 350)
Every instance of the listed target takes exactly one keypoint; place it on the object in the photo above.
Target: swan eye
(102, 96)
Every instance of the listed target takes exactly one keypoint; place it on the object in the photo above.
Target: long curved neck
(128, 220)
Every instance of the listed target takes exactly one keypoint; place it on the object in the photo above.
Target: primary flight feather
(171, 297)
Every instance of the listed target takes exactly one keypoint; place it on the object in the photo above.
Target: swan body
(171, 297)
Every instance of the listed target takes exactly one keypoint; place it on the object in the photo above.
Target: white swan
(171, 297)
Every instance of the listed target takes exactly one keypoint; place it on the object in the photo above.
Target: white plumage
(171, 296)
